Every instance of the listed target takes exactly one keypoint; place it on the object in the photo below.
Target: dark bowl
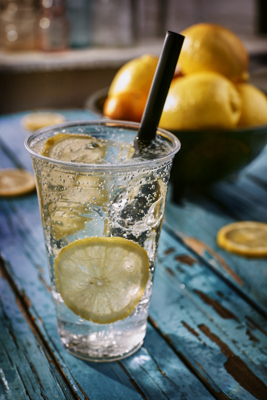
(206, 156)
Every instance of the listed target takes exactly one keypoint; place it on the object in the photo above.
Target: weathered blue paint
(26, 370)
(197, 222)
(212, 303)
(199, 324)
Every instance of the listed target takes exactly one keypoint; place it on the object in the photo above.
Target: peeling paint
(11, 333)
(256, 325)
(186, 259)
(221, 310)
(40, 269)
(190, 329)
(48, 288)
(170, 271)
(26, 299)
(251, 336)
(132, 381)
(153, 322)
(169, 251)
(83, 392)
(2, 274)
(200, 248)
(195, 333)
(237, 368)
(162, 372)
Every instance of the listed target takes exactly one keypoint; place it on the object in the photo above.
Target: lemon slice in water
(81, 149)
(247, 238)
(72, 191)
(65, 222)
(102, 279)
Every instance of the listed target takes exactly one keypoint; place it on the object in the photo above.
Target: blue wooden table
(207, 330)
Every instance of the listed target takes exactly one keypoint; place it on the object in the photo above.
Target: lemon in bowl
(129, 89)
(135, 75)
(212, 47)
(203, 100)
(222, 126)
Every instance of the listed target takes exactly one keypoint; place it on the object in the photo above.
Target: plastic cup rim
(84, 166)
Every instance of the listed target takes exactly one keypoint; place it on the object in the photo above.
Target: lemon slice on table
(38, 120)
(16, 182)
(247, 238)
(102, 279)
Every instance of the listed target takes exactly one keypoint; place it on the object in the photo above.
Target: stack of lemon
(209, 91)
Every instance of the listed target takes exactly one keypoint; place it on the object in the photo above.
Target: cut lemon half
(247, 238)
(16, 182)
(102, 279)
(38, 120)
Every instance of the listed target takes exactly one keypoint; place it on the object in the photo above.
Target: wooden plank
(257, 193)
(25, 263)
(197, 220)
(26, 369)
(212, 328)
(258, 168)
(245, 199)
(156, 363)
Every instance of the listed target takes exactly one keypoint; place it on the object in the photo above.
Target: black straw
(159, 89)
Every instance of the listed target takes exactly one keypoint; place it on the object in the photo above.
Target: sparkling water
(126, 200)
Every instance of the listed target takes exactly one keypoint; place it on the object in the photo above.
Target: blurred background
(54, 54)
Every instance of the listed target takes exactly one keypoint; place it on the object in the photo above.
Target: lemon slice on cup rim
(102, 279)
(247, 238)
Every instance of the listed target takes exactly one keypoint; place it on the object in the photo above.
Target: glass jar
(53, 26)
(18, 25)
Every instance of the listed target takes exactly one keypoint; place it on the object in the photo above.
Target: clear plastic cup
(114, 195)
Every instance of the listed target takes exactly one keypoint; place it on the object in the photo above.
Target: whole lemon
(203, 100)
(128, 106)
(211, 47)
(253, 105)
(134, 76)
